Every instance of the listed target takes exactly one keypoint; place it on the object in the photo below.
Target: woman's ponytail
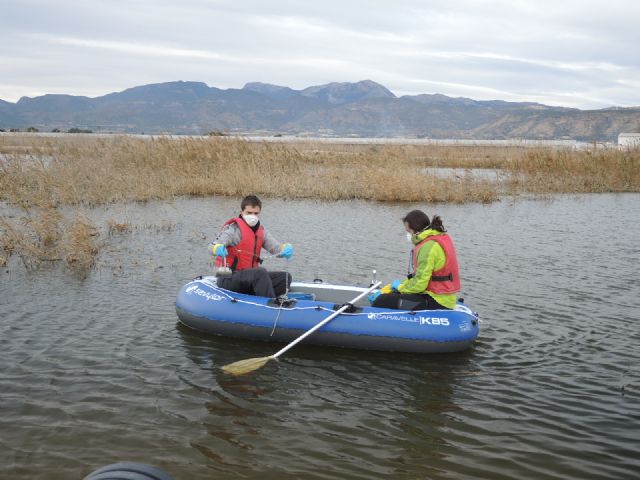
(436, 224)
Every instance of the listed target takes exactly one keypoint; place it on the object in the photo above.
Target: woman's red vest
(245, 254)
(447, 279)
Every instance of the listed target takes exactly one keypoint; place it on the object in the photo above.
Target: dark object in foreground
(129, 471)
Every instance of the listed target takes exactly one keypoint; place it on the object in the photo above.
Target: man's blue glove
(286, 251)
(395, 285)
(219, 250)
(373, 295)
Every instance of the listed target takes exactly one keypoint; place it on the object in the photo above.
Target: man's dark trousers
(257, 281)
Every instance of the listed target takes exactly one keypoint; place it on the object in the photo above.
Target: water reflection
(385, 412)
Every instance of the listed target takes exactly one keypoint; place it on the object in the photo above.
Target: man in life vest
(433, 278)
(238, 246)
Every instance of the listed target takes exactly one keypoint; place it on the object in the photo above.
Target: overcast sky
(583, 54)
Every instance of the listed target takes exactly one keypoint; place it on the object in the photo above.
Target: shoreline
(289, 139)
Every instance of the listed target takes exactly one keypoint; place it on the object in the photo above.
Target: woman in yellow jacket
(433, 278)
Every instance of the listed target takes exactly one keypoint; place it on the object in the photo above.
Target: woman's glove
(286, 251)
(373, 295)
(395, 285)
(219, 250)
(376, 293)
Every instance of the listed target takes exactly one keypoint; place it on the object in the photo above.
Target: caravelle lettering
(439, 321)
(202, 293)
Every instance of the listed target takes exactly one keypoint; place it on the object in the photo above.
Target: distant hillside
(362, 109)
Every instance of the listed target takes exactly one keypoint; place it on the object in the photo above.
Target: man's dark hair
(250, 200)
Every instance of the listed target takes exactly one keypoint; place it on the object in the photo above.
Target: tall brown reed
(43, 234)
(587, 171)
(80, 247)
(124, 168)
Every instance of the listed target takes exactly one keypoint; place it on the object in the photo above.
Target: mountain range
(360, 109)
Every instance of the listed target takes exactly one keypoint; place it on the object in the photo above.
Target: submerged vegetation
(40, 175)
(44, 234)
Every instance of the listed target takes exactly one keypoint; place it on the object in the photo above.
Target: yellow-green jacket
(431, 258)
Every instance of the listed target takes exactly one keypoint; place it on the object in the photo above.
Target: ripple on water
(98, 370)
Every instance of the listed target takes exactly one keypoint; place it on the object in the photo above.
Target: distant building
(629, 140)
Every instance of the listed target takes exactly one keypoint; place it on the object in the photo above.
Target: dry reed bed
(43, 234)
(41, 174)
(440, 156)
(567, 171)
(67, 171)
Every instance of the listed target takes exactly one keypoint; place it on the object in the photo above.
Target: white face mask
(410, 237)
(251, 219)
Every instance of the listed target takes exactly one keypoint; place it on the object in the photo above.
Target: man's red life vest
(447, 279)
(245, 254)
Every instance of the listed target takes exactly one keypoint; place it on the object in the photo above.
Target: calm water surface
(97, 370)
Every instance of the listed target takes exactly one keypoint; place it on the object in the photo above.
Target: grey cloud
(579, 53)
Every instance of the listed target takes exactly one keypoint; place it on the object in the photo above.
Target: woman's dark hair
(436, 224)
(418, 221)
(252, 201)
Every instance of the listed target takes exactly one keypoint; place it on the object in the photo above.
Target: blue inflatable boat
(205, 307)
